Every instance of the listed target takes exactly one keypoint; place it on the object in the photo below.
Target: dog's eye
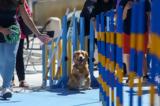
(78, 53)
(82, 53)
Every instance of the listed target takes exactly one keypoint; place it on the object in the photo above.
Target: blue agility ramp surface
(64, 97)
(55, 97)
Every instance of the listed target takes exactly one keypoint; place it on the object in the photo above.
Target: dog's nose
(81, 58)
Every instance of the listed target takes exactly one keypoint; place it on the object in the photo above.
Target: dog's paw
(89, 88)
(74, 89)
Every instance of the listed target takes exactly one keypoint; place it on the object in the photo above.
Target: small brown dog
(80, 75)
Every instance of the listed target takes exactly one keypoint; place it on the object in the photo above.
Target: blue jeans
(7, 62)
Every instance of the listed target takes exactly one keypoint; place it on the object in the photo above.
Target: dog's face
(80, 57)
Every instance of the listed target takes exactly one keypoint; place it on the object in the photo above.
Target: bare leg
(126, 61)
(145, 66)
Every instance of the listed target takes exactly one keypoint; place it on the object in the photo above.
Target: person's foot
(23, 84)
(127, 81)
(124, 70)
(6, 93)
(145, 78)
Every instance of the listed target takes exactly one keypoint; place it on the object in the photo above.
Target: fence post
(82, 27)
(119, 56)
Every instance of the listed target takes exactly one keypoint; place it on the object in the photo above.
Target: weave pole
(99, 57)
(107, 58)
(82, 32)
(112, 57)
(119, 59)
(140, 48)
(155, 50)
(132, 66)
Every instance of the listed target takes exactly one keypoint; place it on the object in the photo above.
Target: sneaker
(6, 93)
(23, 84)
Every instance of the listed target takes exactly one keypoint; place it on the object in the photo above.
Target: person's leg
(126, 50)
(20, 62)
(9, 58)
(2, 61)
(2, 68)
(20, 65)
(145, 68)
(86, 43)
(95, 52)
(126, 62)
(10, 52)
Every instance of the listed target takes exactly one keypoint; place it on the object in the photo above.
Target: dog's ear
(74, 54)
(86, 54)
